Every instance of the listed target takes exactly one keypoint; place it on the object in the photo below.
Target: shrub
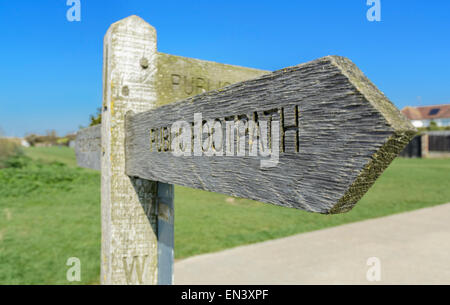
(8, 149)
(97, 118)
(50, 139)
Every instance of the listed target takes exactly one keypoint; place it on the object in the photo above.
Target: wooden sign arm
(337, 133)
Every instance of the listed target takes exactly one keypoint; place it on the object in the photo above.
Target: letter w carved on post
(333, 132)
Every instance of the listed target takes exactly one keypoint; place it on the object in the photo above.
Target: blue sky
(52, 68)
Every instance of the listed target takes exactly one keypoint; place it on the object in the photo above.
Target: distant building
(24, 143)
(424, 115)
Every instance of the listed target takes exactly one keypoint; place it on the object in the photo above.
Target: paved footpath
(412, 247)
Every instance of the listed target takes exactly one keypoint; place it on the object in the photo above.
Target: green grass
(50, 211)
(205, 222)
(61, 154)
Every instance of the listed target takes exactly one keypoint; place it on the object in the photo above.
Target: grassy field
(50, 211)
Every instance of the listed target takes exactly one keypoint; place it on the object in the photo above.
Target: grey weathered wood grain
(348, 133)
(88, 147)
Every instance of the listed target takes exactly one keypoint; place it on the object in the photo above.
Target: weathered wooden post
(129, 205)
(331, 131)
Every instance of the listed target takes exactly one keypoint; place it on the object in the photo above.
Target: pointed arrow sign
(313, 137)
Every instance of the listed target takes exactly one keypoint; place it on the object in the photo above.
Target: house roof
(427, 112)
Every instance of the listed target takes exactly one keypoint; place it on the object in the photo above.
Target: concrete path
(412, 248)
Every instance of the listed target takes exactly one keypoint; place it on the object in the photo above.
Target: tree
(433, 126)
(97, 118)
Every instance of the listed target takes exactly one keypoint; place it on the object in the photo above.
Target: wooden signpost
(313, 137)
